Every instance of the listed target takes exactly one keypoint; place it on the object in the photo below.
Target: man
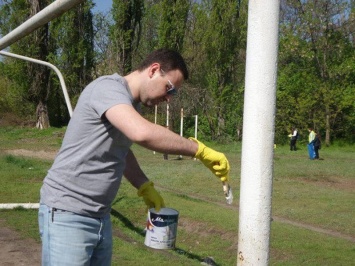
(76, 196)
(293, 141)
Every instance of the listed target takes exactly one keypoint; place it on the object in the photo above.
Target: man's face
(161, 87)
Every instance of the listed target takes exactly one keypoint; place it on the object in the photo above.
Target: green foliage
(315, 56)
(215, 47)
(13, 92)
(315, 69)
(172, 26)
(125, 31)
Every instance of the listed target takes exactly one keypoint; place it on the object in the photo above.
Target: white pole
(19, 205)
(181, 122)
(155, 117)
(52, 11)
(60, 76)
(196, 122)
(258, 133)
(181, 125)
(165, 155)
(196, 118)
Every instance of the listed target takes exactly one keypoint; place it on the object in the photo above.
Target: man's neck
(133, 80)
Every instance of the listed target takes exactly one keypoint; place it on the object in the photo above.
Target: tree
(314, 31)
(216, 44)
(172, 26)
(170, 34)
(72, 51)
(66, 42)
(125, 32)
(32, 78)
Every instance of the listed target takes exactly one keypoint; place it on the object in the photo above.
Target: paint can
(161, 228)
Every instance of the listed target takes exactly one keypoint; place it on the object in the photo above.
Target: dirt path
(16, 250)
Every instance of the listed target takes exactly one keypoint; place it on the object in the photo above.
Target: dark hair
(168, 60)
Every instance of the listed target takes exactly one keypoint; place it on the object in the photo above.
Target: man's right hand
(215, 161)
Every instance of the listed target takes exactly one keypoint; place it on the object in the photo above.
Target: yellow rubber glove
(150, 196)
(215, 161)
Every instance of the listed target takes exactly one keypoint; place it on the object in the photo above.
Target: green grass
(313, 204)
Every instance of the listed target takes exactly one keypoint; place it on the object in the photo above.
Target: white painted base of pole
(19, 205)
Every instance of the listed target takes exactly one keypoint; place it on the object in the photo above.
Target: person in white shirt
(294, 137)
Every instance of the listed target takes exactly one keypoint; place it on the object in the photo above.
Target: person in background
(317, 145)
(310, 146)
(77, 193)
(294, 137)
(311, 135)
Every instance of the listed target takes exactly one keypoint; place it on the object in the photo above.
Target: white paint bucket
(161, 228)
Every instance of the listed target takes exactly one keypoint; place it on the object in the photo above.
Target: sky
(102, 5)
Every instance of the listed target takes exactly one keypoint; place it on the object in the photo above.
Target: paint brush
(227, 192)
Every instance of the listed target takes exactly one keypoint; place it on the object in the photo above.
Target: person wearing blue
(79, 188)
(311, 135)
(310, 145)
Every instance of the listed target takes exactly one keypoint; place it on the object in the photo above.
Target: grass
(313, 204)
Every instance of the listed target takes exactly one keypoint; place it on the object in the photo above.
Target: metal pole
(60, 76)
(165, 155)
(258, 133)
(182, 122)
(19, 205)
(52, 11)
(181, 126)
(167, 115)
(155, 117)
(196, 122)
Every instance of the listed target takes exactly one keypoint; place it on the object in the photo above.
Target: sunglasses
(171, 88)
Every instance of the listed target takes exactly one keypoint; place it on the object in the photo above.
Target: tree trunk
(42, 116)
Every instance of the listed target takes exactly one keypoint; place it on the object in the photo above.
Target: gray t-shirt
(87, 171)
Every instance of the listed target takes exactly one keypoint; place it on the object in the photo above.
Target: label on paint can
(161, 228)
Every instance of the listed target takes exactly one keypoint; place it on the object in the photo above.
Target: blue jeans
(72, 239)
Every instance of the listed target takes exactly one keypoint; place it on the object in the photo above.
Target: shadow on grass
(128, 224)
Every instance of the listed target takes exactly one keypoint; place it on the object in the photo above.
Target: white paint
(258, 133)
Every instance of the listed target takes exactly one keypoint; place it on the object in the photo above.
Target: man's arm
(139, 180)
(158, 138)
(133, 172)
(147, 134)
